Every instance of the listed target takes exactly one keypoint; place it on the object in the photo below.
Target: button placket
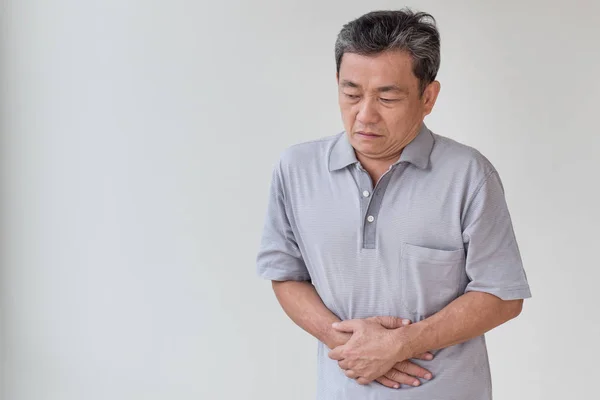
(373, 206)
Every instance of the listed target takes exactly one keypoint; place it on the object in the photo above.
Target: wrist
(405, 342)
(333, 338)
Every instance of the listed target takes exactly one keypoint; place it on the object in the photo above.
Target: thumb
(349, 326)
(390, 322)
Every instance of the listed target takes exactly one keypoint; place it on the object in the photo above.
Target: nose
(367, 112)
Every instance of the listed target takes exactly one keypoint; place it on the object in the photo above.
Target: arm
(280, 260)
(498, 283)
(467, 317)
(302, 304)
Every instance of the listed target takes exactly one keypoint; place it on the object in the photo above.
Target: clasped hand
(374, 353)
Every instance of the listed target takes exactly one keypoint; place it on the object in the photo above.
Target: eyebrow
(386, 88)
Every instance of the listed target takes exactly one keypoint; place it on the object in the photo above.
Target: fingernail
(429, 356)
(396, 386)
(335, 324)
(427, 376)
(416, 383)
(405, 322)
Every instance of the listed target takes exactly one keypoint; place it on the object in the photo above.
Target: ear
(430, 96)
(337, 77)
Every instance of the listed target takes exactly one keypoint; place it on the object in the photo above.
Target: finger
(425, 356)
(401, 377)
(336, 354)
(363, 381)
(413, 369)
(350, 374)
(390, 322)
(346, 326)
(344, 364)
(385, 381)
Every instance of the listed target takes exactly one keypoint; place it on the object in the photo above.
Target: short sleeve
(279, 257)
(493, 262)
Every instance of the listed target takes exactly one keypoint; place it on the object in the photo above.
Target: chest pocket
(430, 278)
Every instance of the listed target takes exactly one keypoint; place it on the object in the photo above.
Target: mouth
(367, 134)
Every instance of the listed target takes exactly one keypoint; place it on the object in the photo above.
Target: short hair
(405, 30)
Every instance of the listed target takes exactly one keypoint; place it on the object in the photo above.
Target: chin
(366, 148)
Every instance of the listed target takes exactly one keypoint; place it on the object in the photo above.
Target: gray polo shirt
(436, 225)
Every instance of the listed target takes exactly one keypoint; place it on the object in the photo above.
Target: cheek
(345, 106)
(398, 115)
(393, 118)
(348, 112)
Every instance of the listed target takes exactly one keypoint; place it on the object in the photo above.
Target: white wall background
(137, 144)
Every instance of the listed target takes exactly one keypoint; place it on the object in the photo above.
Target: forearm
(302, 303)
(467, 317)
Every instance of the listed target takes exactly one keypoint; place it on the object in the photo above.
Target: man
(390, 244)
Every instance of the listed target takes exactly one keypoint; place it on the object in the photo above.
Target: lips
(369, 134)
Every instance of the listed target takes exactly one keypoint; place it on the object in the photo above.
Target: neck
(377, 167)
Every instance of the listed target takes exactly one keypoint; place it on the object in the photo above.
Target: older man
(389, 223)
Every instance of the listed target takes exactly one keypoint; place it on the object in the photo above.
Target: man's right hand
(405, 372)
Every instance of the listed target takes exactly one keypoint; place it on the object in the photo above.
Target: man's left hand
(366, 356)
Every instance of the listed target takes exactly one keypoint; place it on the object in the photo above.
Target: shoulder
(462, 159)
(309, 153)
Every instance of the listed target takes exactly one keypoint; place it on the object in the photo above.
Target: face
(380, 102)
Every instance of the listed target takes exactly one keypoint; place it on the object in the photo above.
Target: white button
(366, 193)
(370, 218)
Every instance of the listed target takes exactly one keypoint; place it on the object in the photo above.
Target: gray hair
(405, 30)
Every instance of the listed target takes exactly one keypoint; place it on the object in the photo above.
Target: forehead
(374, 70)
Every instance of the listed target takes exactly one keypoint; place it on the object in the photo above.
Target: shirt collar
(416, 152)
